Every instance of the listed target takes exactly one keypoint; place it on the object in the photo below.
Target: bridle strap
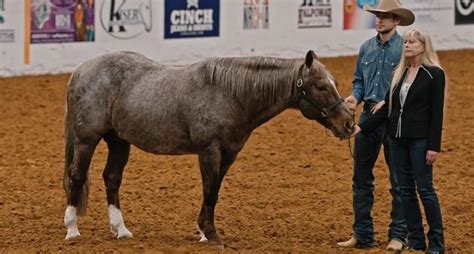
(324, 111)
(302, 96)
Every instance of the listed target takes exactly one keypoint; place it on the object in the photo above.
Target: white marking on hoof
(202, 235)
(70, 221)
(117, 225)
(72, 233)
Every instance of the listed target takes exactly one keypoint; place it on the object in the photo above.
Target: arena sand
(289, 190)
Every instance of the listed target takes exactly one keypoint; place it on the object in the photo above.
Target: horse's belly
(161, 142)
(167, 149)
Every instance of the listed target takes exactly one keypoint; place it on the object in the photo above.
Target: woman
(415, 115)
(79, 18)
(89, 20)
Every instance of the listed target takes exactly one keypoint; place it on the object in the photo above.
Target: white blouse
(404, 92)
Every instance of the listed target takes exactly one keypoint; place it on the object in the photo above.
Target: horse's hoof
(121, 232)
(73, 233)
(212, 240)
(203, 238)
(124, 234)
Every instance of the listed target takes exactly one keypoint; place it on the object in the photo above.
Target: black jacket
(422, 112)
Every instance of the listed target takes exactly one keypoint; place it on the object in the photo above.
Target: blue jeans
(415, 176)
(366, 151)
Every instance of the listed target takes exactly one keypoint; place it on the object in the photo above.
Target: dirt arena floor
(289, 190)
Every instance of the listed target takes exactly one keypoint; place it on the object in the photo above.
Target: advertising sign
(431, 12)
(7, 34)
(355, 17)
(12, 37)
(2, 9)
(256, 14)
(464, 12)
(191, 18)
(62, 21)
(126, 19)
(315, 13)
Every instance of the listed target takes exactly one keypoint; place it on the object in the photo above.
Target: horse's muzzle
(344, 130)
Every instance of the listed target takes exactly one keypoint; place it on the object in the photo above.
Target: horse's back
(160, 109)
(113, 68)
(138, 98)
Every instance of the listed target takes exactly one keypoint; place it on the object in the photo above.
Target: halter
(302, 96)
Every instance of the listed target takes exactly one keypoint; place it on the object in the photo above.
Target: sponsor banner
(56, 21)
(126, 19)
(432, 12)
(256, 14)
(191, 18)
(2, 11)
(315, 13)
(12, 36)
(355, 17)
(464, 12)
(7, 33)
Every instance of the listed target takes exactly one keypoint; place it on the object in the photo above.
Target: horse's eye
(321, 88)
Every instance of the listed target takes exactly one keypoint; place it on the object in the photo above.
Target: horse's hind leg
(119, 151)
(214, 164)
(76, 182)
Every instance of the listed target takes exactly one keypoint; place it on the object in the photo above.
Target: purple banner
(55, 21)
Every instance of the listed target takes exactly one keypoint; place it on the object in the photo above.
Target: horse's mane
(255, 78)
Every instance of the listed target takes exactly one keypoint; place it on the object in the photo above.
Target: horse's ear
(310, 56)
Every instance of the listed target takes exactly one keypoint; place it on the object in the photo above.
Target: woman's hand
(355, 131)
(377, 107)
(431, 157)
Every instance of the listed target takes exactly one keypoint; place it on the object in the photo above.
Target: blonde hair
(428, 57)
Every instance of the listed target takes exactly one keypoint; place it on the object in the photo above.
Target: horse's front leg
(214, 164)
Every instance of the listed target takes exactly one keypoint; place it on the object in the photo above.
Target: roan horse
(207, 108)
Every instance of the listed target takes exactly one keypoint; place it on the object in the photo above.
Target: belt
(369, 105)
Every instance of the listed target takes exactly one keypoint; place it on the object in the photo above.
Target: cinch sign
(191, 18)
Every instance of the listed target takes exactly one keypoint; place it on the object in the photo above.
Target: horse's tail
(69, 154)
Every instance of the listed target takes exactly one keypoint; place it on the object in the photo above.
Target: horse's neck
(264, 87)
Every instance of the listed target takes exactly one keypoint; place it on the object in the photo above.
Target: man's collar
(390, 41)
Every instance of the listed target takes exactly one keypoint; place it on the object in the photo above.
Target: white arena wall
(280, 36)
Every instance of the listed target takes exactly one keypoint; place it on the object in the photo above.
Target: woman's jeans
(366, 151)
(409, 160)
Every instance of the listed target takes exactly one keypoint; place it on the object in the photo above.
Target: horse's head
(319, 99)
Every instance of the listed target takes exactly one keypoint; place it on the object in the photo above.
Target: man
(377, 59)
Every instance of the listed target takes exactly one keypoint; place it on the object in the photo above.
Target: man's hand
(351, 102)
(431, 157)
(377, 107)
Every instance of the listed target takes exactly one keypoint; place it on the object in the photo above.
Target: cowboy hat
(394, 7)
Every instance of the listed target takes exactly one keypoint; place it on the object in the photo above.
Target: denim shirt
(375, 66)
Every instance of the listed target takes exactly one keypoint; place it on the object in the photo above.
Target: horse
(208, 108)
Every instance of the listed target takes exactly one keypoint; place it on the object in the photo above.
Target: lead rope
(349, 139)
(350, 148)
